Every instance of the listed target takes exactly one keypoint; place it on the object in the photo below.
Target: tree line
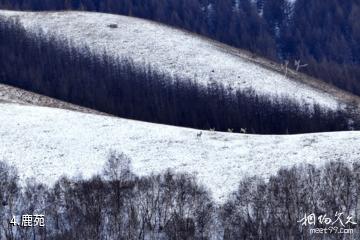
(121, 205)
(294, 201)
(324, 36)
(55, 68)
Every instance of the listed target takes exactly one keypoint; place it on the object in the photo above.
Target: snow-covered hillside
(10, 94)
(46, 143)
(174, 52)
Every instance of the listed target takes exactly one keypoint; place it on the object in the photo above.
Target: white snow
(171, 51)
(46, 143)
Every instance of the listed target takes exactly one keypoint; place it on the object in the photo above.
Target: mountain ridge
(164, 49)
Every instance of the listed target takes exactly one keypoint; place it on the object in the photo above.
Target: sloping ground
(46, 143)
(178, 52)
(9, 94)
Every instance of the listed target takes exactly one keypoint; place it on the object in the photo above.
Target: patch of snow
(47, 143)
(169, 50)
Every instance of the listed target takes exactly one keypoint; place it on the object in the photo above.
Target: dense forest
(121, 205)
(323, 35)
(57, 69)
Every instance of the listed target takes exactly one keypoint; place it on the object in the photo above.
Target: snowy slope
(173, 52)
(46, 143)
(10, 94)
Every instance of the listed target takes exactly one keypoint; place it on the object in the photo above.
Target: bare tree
(118, 167)
(285, 67)
(298, 65)
(118, 172)
(9, 195)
